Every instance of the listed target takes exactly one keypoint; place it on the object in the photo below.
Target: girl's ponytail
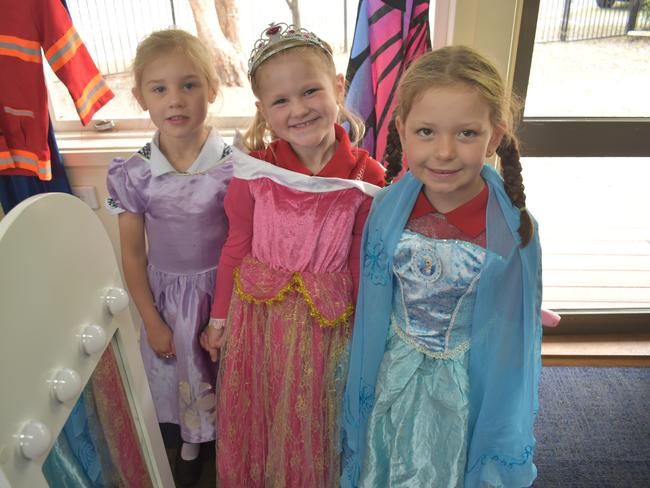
(254, 135)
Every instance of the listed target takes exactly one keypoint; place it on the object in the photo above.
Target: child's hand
(161, 339)
(205, 344)
(212, 340)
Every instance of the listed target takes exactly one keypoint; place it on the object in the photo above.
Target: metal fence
(575, 20)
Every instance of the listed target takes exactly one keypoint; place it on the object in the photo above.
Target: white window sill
(92, 148)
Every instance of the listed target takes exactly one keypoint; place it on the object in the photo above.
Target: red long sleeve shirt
(347, 162)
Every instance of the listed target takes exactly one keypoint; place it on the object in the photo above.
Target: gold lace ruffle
(297, 284)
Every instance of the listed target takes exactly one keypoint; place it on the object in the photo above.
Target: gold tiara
(280, 36)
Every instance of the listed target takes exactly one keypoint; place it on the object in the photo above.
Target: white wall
(492, 27)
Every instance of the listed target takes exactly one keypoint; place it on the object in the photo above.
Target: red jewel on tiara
(273, 30)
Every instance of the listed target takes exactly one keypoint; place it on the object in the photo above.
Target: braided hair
(460, 64)
(508, 152)
(393, 152)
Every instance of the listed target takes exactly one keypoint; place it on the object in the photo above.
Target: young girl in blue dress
(445, 356)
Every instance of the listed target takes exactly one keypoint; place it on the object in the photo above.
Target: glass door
(582, 70)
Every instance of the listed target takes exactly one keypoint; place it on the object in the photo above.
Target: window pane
(111, 31)
(585, 64)
(595, 231)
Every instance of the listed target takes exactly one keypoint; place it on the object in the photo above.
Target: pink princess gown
(289, 321)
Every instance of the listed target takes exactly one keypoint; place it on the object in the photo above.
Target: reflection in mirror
(99, 444)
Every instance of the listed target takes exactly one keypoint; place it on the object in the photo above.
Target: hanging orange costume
(26, 26)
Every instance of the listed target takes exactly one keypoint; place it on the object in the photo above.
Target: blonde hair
(258, 134)
(460, 64)
(172, 41)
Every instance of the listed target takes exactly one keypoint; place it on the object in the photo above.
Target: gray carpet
(593, 428)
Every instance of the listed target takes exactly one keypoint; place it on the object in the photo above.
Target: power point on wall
(87, 194)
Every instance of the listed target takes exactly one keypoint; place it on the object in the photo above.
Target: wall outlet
(87, 194)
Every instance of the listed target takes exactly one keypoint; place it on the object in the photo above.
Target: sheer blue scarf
(505, 356)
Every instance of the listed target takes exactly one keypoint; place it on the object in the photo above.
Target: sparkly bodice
(433, 301)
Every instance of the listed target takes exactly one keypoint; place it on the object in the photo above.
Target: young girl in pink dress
(296, 208)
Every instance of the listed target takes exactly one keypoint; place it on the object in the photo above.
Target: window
(111, 31)
(582, 69)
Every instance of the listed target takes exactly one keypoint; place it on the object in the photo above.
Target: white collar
(211, 153)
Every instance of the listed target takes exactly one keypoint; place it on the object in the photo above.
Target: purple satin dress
(186, 227)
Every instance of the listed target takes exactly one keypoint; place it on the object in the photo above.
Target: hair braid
(508, 152)
(393, 152)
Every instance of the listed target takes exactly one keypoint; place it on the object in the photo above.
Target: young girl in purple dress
(169, 197)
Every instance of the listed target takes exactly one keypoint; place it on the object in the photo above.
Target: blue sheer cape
(505, 356)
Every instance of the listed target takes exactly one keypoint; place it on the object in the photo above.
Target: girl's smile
(444, 173)
(178, 119)
(303, 125)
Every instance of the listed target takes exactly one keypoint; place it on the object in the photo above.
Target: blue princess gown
(417, 431)
(446, 350)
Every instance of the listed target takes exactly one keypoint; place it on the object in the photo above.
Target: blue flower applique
(366, 399)
(376, 261)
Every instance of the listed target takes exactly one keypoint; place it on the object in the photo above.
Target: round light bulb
(66, 384)
(34, 439)
(116, 299)
(93, 339)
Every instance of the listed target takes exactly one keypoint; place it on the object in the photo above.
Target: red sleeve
(239, 206)
(355, 250)
(371, 169)
(70, 60)
(375, 173)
